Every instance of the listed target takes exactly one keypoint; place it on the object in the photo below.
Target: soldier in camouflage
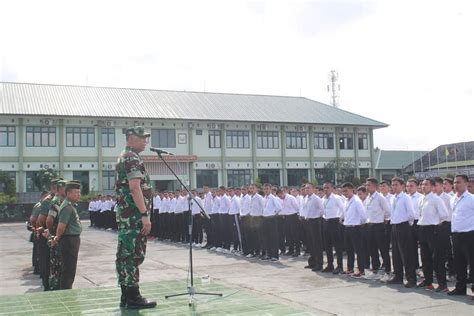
(52, 224)
(133, 208)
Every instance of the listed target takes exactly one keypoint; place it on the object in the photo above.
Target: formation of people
(55, 232)
(428, 226)
(433, 217)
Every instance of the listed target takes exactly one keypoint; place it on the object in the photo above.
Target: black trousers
(34, 254)
(388, 240)
(433, 243)
(314, 234)
(270, 228)
(245, 232)
(281, 233)
(69, 247)
(197, 228)
(236, 226)
(44, 261)
(292, 227)
(416, 239)
(449, 253)
(463, 250)
(402, 252)
(354, 246)
(256, 234)
(376, 243)
(333, 240)
(211, 230)
(185, 226)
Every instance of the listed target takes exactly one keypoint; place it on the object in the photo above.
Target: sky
(409, 64)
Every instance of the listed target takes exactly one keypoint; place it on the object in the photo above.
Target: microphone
(160, 151)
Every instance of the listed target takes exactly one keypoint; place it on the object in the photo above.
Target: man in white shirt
(433, 239)
(215, 220)
(196, 205)
(256, 213)
(182, 216)
(462, 226)
(333, 209)
(353, 218)
(164, 228)
(91, 208)
(272, 207)
(440, 188)
(313, 212)
(225, 219)
(403, 217)
(234, 213)
(174, 217)
(378, 213)
(385, 188)
(208, 224)
(412, 190)
(289, 212)
(245, 220)
(155, 215)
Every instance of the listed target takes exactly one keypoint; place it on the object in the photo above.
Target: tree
(42, 179)
(7, 189)
(344, 168)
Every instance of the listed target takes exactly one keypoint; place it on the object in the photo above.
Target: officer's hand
(146, 225)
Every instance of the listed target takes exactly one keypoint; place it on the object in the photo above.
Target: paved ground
(282, 288)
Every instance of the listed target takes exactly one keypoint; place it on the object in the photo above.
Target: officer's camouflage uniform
(131, 246)
(55, 255)
(44, 251)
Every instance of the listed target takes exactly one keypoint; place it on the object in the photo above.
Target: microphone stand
(191, 291)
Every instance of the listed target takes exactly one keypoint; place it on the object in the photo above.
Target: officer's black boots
(135, 300)
(123, 297)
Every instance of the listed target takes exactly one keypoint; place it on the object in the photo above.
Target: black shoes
(328, 269)
(395, 280)
(123, 297)
(338, 270)
(309, 267)
(135, 300)
(456, 292)
(317, 269)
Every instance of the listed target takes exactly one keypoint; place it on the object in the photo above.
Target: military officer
(133, 208)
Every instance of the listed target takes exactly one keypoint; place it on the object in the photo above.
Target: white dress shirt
(378, 209)
(354, 212)
(195, 209)
(272, 205)
(91, 206)
(447, 199)
(463, 213)
(313, 207)
(415, 198)
(389, 197)
(165, 205)
(156, 202)
(208, 203)
(245, 205)
(432, 210)
(216, 204)
(301, 200)
(224, 206)
(402, 209)
(289, 205)
(256, 205)
(181, 204)
(234, 205)
(173, 203)
(333, 206)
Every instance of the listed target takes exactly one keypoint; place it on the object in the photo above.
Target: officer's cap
(61, 183)
(73, 184)
(137, 131)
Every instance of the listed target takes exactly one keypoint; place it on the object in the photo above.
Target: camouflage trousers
(131, 251)
(54, 268)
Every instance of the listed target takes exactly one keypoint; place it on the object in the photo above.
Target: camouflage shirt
(130, 166)
(54, 211)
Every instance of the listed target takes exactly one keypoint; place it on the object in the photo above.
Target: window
(363, 141)
(108, 137)
(323, 141)
(108, 179)
(323, 175)
(296, 140)
(238, 178)
(80, 137)
(30, 181)
(346, 141)
(269, 140)
(214, 139)
(364, 174)
(7, 136)
(237, 139)
(40, 136)
(297, 177)
(271, 176)
(199, 132)
(82, 176)
(163, 138)
(206, 177)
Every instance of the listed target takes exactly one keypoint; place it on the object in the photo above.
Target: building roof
(396, 159)
(82, 101)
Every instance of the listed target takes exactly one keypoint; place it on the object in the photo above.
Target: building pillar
(312, 175)
(253, 135)
(338, 154)
(61, 147)
(284, 172)
(21, 148)
(356, 153)
(372, 155)
(223, 146)
(191, 171)
(100, 161)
